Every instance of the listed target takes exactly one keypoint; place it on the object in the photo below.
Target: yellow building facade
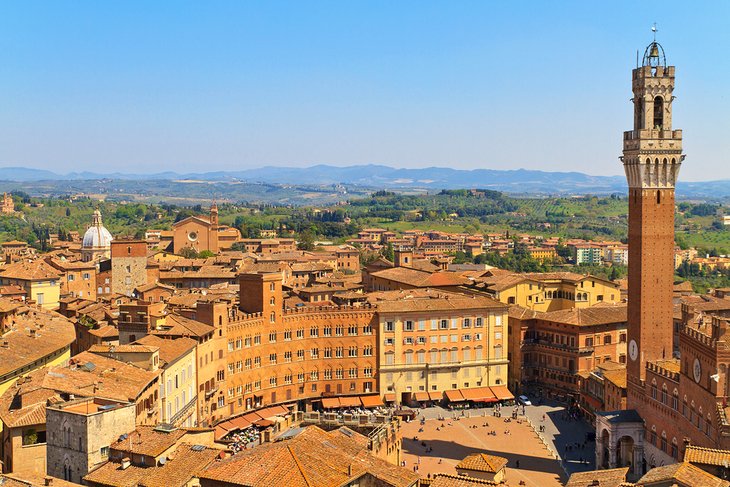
(553, 291)
(434, 341)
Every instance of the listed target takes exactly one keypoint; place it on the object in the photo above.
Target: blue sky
(188, 86)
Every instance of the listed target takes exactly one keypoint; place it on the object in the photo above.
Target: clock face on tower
(633, 350)
(697, 371)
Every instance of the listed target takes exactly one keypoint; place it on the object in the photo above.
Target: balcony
(210, 393)
(652, 134)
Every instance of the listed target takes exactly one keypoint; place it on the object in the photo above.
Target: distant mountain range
(520, 181)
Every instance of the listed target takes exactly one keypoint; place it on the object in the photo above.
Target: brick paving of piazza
(458, 438)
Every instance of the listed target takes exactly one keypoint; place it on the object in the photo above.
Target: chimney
(48, 481)
(126, 462)
(349, 470)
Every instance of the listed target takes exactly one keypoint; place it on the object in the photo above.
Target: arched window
(658, 112)
(639, 113)
(653, 389)
(675, 400)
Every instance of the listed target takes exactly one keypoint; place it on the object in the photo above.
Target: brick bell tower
(652, 156)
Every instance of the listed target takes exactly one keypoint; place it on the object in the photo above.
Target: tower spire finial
(654, 29)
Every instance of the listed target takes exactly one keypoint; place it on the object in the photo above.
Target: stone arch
(625, 451)
(658, 113)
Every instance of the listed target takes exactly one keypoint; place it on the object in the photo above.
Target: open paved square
(450, 443)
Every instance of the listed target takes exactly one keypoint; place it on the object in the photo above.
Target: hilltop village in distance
(383, 341)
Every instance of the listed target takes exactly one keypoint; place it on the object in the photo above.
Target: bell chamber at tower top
(652, 152)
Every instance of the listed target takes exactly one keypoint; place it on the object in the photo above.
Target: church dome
(97, 236)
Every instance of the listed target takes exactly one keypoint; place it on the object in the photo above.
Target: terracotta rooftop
(36, 270)
(706, 456)
(613, 477)
(314, 457)
(24, 403)
(186, 463)
(34, 333)
(155, 285)
(417, 278)
(521, 313)
(482, 462)
(131, 348)
(447, 480)
(146, 440)
(672, 365)
(616, 376)
(682, 473)
(96, 375)
(170, 349)
(596, 315)
(430, 300)
(32, 480)
(176, 325)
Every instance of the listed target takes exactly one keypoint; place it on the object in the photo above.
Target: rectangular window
(479, 322)
(408, 326)
(467, 322)
(389, 326)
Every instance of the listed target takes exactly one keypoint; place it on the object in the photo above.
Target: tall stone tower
(652, 156)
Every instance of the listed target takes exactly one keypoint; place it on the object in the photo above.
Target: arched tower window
(658, 197)
(658, 112)
(639, 113)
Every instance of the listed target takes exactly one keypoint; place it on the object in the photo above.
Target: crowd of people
(358, 411)
(244, 439)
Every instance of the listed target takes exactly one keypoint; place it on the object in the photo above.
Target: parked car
(524, 400)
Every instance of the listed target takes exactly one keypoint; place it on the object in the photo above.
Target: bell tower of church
(652, 156)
